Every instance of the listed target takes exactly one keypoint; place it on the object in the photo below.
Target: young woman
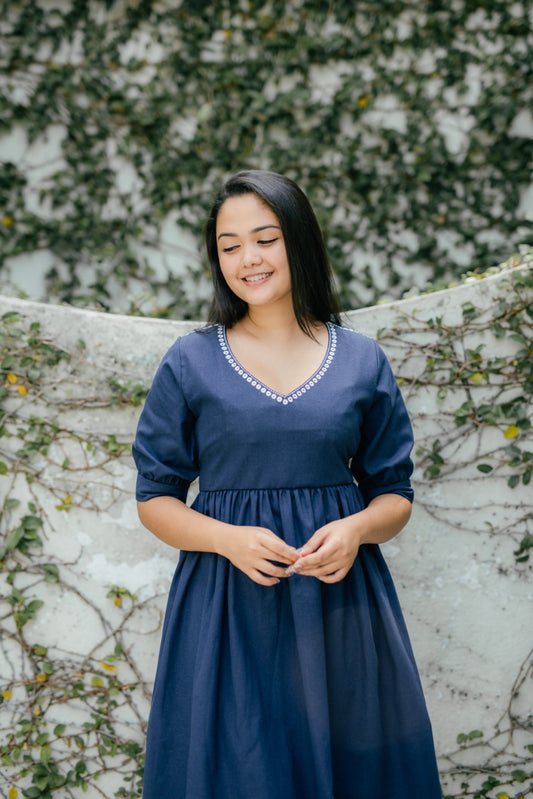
(285, 669)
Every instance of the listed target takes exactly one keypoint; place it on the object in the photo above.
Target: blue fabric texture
(302, 690)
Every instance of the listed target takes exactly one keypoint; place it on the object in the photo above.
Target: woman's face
(251, 251)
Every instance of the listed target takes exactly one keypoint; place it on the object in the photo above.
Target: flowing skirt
(303, 690)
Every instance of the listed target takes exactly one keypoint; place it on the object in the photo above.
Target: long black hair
(313, 294)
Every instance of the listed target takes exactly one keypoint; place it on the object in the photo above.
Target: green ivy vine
(406, 124)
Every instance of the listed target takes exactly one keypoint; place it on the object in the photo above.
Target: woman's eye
(230, 249)
(267, 241)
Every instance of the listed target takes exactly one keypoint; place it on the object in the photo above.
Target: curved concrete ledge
(467, 604)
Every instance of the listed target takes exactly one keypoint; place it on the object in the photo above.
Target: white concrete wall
(468, 604)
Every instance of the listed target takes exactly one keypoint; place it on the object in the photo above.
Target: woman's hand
(330, 552)
(253, 550)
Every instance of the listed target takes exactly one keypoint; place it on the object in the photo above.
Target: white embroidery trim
(284, 399)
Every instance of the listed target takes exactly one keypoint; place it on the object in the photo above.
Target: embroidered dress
(302, 690)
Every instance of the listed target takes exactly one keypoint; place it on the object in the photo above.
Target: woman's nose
(252, 255)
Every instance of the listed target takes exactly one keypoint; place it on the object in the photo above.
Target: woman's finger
(277, 549)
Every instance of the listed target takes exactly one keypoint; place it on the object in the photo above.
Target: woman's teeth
(255, 278)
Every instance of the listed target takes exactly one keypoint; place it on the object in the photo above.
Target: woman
(285, 668)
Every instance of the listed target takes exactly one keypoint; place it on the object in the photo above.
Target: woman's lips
(259, 278)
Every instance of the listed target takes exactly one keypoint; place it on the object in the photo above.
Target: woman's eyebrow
(255, 230)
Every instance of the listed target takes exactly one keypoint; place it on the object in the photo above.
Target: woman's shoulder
(199, 339)
(353, 346)
(355, 340)
(192, 347)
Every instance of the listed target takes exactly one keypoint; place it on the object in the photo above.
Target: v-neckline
(284, 399)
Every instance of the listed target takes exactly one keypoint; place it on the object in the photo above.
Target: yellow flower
(7, 695)
(22, 390)
(7, 221)
(11, 378)
(12, 793)
(512, 431)
(107, 666)
(118, 601)
(42, 677)
(228, 34)
(37, 711)
(362, 102)
(477, 377)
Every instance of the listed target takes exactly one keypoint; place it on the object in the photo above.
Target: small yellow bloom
(22, 390)
(118, 601)
(7, 695)
(477, 377)
(37, 711)
(362, 102)
(42, 677)
(107, 666)
(228, 34)
(12, 793)
(11, 378)
(512, 431)
(7, 221)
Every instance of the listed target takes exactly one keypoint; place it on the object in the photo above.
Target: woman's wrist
(382, 519)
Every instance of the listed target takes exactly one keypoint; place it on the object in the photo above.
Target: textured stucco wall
(468, 609)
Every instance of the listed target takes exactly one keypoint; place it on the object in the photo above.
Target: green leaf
(11, 503)
(46, 754)
(14, 538)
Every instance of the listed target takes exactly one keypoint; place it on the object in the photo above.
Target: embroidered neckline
(284, 399)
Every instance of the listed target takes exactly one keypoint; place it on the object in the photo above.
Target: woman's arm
(331, 550)
(250, 549)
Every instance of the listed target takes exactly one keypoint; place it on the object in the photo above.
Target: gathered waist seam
(278, 488)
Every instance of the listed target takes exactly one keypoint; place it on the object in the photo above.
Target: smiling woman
(313, 295)
(253, 259)
(285, 668)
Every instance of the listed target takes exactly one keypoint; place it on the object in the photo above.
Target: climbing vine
(68, 721)
(477, 368)
(73, 719)
(406, 123)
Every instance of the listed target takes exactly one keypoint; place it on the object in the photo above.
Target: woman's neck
(268, 322)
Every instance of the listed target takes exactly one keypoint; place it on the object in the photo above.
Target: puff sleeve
(382, 463)
(164, 449)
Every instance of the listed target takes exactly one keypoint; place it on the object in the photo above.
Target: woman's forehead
(245, 213)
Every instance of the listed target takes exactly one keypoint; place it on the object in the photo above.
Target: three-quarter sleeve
(382, 463)
(164, 449)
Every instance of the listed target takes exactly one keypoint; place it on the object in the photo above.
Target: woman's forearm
(256, 551)
(180, 526)
(383, 518)
(332, 549)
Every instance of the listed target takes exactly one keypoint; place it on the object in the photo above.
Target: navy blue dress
(302, 690)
